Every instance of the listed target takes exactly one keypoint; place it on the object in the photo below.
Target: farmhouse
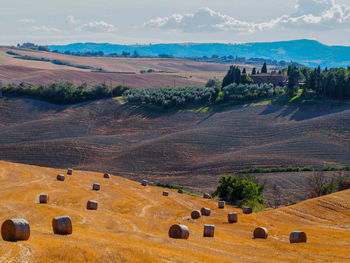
(275, 79)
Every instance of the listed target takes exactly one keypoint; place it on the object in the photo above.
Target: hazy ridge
(308, 52)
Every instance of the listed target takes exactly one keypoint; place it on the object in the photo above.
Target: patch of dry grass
(132, 222)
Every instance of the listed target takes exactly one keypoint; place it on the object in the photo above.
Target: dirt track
(190, 149)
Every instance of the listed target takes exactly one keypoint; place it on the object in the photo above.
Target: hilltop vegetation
(332, 83)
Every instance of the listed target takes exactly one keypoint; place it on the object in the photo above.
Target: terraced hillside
(186, 148)
(132, 222)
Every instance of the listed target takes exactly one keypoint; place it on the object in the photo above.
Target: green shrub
(220, 97)
(343, 184)
(291, 203)
(241, 191)
(214, 83)
(170, 186)
(119, 90)
(251, 91)
(329, 188)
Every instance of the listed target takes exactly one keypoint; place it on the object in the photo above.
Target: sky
(167, 21)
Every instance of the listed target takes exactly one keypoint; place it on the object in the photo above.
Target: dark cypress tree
(244, 71)
(135, 55)
(228, 79)
(254, 71)
(293, 76)
(237, 75)
(340, 83)
(232, 76)
(264, 68)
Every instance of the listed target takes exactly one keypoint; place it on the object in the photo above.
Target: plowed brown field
(187, 148)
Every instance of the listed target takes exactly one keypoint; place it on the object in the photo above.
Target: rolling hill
(132, 222)
(115, 71)
(188, 148)
(307, 52)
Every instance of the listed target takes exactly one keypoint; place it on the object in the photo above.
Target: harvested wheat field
(132, 223)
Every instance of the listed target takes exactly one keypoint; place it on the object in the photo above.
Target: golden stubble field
(132, 222)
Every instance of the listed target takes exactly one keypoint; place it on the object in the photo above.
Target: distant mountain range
(307, 52)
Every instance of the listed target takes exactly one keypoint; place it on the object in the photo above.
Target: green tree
(246, 79)
(294, 76)
(125, 54)
(214, 83)
(240, 190)
(254, 71)
(232, 76)
(264, 68)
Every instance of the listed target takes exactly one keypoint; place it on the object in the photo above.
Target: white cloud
(71, 20)
(27, 20)
(98, 27)
(45, 29)
(317, 14)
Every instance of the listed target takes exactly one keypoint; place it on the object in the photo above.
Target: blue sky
(162, 21)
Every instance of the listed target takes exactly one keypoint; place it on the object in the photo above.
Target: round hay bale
(107, 176)
(247, 210)
(221, 204)
(196, 214)
(206, 196)
(144, 182)
(60, 177)
(205, 211)
(180, 191)
(62, 225)
(15, 230)
(208, 230)
(179, 232)
(69, 171)
(43, 198)
(261, 232)
(297, 237)
(165, 193)
(96, 187)
(232, 217)
(92, 205)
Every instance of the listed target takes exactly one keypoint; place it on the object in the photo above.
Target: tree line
(332, 83)
(64, 92)
(167, 97)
